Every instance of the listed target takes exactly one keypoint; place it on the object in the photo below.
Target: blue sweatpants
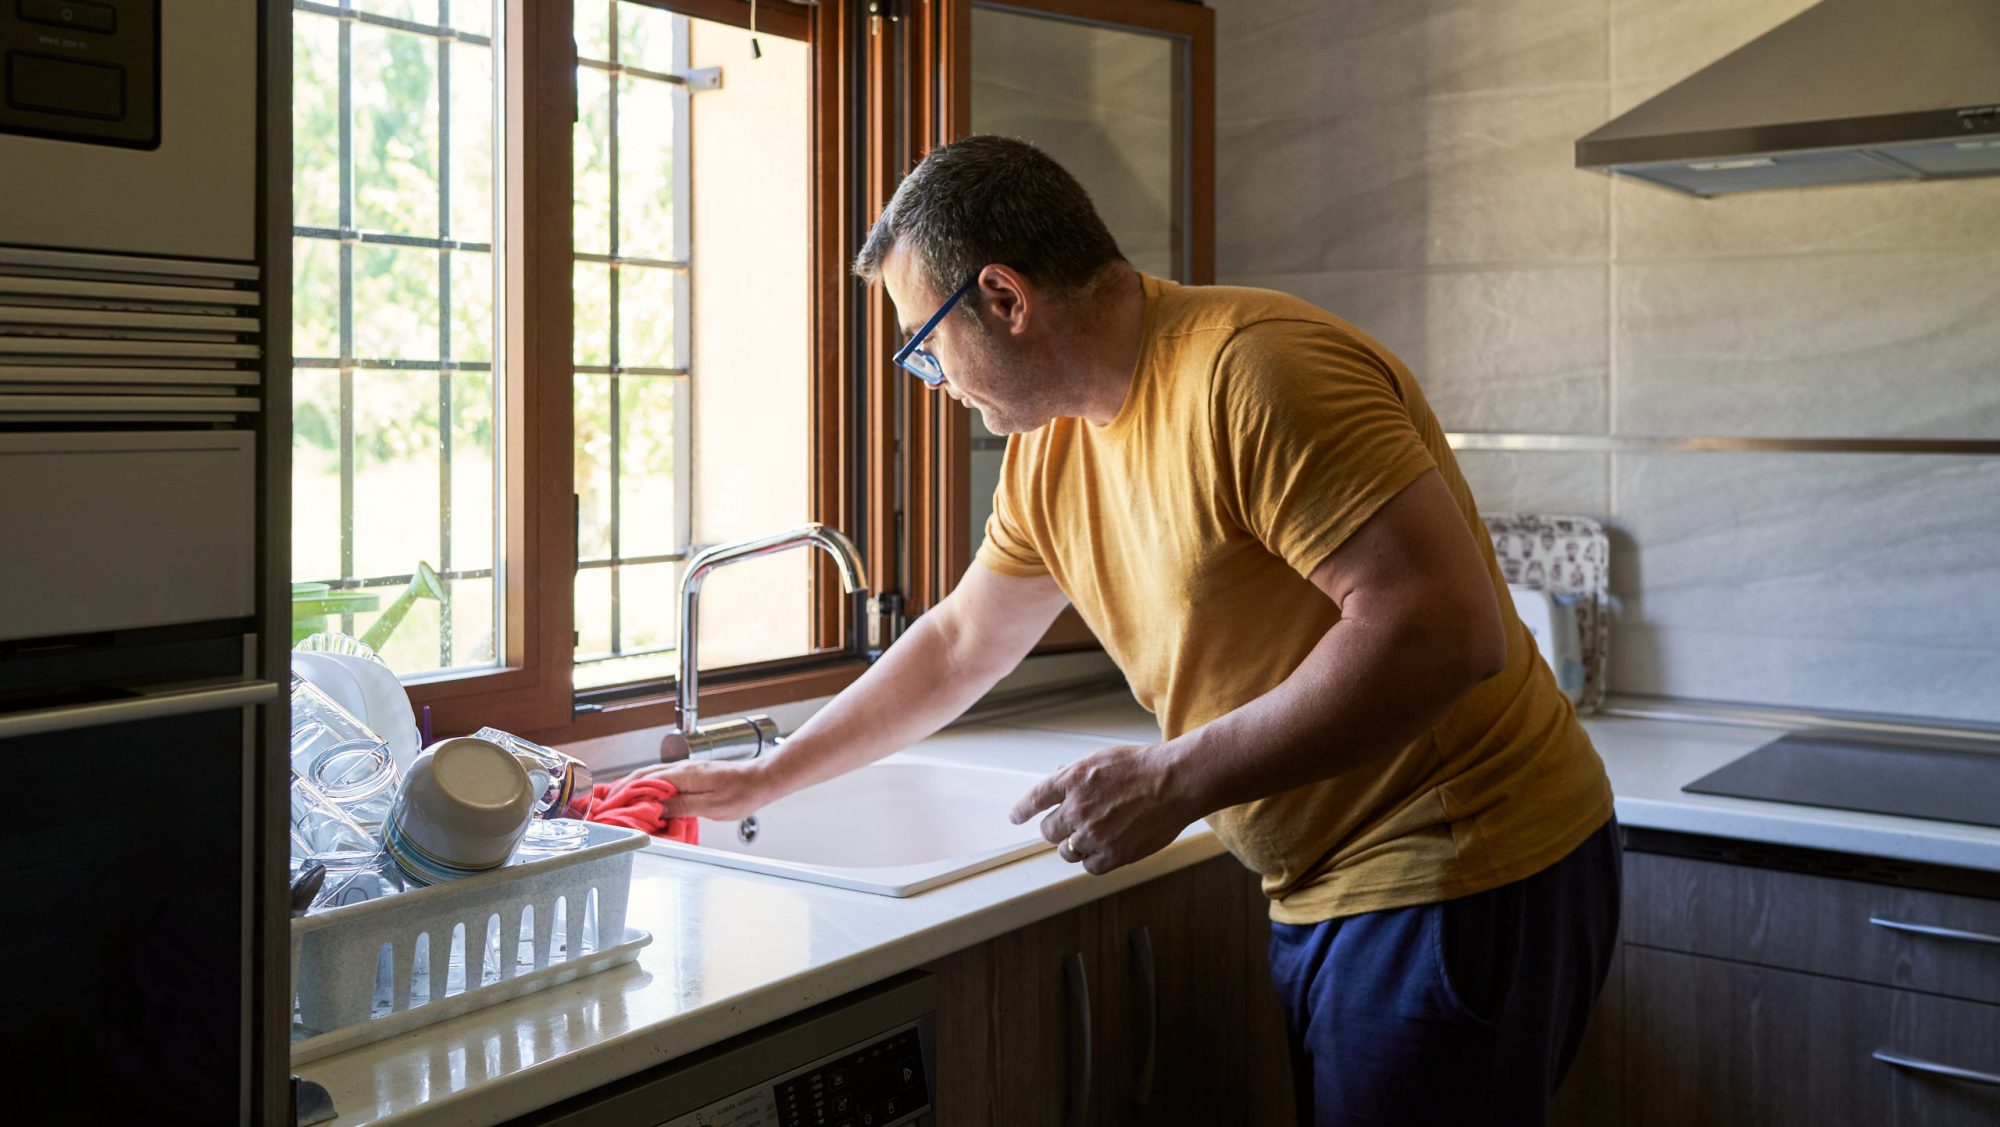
(1452, 1014)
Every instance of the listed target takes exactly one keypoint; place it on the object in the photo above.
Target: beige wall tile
(1417, 184)
(1804, 553)
(1918, 681)
(1279, 58)
(1874, 344)
(1504, 481)
(1492, 349)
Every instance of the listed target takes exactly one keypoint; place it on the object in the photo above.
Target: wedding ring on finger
(1069, 850)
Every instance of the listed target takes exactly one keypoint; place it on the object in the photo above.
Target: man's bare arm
(947, 660)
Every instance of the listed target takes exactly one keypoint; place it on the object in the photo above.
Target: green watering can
(313, 603)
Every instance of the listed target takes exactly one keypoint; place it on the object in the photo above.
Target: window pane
(315, 297)
(592, 162)
(593, 467)
(471, 143)
(472, 285)
(646, 316)
(473, 516)
(315, 120)
(646, 169)
(395, 472)
(400, 510)
(395, 303)
(412, 641)
(415, 11)
(593, 612)
(475, 16)
(648, 606)
(647, 500)
(593, 23)
(1105, 103)
(646, 37)
(592, 297)
(395, 131)
(316, 474)
(472, 605)
(745, 354)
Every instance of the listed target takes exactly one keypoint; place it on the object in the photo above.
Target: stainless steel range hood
(1846, 92)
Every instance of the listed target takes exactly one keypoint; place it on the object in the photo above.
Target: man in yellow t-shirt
(1251, 504)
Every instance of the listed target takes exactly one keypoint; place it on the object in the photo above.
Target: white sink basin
(894, 828)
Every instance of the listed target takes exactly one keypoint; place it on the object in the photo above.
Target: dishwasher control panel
(879, 1083)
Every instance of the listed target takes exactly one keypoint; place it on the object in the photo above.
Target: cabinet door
(1019, 1027)
(1593, 1091)
(1722, 1044)
(1192, 1028)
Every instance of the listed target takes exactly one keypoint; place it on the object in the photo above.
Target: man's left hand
(1111, 807)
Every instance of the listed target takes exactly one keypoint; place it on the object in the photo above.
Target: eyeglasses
(914, 358)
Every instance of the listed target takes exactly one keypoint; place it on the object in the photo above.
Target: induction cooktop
(1946, 779)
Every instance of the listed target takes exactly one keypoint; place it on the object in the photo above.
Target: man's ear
(1006, 297)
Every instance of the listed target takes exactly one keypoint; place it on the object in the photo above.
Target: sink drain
(746, 830)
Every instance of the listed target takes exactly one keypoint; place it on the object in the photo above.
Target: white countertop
(732, 951)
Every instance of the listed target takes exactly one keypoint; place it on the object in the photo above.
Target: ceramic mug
(463, 808)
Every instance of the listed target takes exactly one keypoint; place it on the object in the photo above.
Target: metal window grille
(616, 559)
(347, 237)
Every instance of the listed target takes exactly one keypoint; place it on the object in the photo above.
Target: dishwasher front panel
(863, 1060)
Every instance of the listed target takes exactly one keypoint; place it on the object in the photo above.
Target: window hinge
(704, 78)
(886, 621)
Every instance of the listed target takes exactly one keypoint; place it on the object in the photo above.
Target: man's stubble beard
(1030, 385)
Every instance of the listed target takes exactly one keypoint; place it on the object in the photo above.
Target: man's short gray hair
(989, 199)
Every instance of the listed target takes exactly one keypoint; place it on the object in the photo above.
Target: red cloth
(641, 804)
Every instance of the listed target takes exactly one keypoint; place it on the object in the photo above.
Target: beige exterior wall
(750, 342)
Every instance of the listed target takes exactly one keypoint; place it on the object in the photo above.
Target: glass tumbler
(343, 762)
(562, 793)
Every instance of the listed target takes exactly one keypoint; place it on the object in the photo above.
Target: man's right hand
(719, 790)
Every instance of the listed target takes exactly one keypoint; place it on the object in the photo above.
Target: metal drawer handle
(1149, 1009)
(1936, 932)
(233, 694)
(1918, 1064)
(1082, 1064)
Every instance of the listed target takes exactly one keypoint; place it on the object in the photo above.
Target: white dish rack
(371, 970)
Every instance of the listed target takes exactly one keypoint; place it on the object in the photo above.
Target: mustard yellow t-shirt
(1258, 434)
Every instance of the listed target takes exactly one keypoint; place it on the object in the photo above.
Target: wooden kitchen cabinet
(1755, 984)
(1187, 983)
(1727, 1044)
(1017, 1026)
(1176, 1022)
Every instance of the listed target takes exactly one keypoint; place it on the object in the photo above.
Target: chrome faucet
(748, 736)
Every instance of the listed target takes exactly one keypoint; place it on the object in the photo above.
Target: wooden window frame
(531, 692)
(940, 110)
(883, 92)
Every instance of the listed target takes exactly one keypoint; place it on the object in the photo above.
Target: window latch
(879, 10)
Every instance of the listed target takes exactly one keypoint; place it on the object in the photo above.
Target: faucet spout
(853, 578)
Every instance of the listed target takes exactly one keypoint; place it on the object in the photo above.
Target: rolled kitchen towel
(640, 804)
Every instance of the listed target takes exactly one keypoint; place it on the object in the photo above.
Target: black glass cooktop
(1944, 779)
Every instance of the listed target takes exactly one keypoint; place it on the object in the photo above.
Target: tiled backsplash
(1409, 166)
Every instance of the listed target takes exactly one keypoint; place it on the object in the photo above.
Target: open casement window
(571, 304)
(1121, 92)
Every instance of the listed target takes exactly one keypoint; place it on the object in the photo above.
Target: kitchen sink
(894, 828)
